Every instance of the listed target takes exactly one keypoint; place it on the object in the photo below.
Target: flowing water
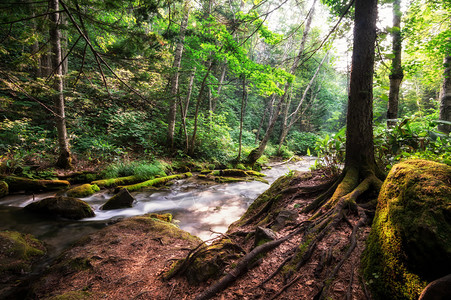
(204, 210)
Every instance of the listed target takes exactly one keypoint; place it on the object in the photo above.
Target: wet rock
(410, 240)
(65, 207)
(123, 199)
(439, 289)
(263, 235)
(82, 191)
(3, 189)
(283, 218)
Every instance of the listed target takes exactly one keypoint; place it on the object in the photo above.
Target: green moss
(113, 182)
(3, 189)
(211, 261)
(82, 191)
(76, 295)
(410, 239)
(163, 217)
(156, 181)
(164, 228)
(16, 184)
(18, 251)
(240, 167)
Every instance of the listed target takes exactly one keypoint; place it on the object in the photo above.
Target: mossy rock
(16, 184)
(3, 189)
(82, 191)
(123, 199)
(163, 217)
(410, 240)
(65, 207)
(18, 251)
(211, 261)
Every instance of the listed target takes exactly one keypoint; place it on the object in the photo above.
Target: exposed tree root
(329, 211)
(243, 266)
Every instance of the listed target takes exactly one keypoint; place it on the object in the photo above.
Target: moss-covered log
(17, 184)
(154, 182)
(410, 240)
(82, 191)
(114, 182)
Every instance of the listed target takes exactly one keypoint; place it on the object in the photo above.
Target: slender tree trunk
(175, 79)
(359, 125)
(397, 74)
(218, 91)
(243, 108)
(196, 113)
(445, 99)
(64, 159)
(184, 110)
(267, 108)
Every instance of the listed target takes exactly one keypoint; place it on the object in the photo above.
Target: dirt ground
(126, 261)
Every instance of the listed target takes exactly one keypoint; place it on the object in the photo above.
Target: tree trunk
(196, 113)
(64, 159)
(243, 108)
(359, 125)
(445, 99)
(175, 79)
(184, 110)
(396, 74)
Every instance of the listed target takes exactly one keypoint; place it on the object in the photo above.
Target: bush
(302, 142)
(142, 169)
(412, 137)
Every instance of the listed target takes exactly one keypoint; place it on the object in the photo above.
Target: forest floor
(126, 260)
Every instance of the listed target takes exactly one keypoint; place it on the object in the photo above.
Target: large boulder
(123, 199)
(410, 240)
(83, 190)
(65, 207)
(3, 189)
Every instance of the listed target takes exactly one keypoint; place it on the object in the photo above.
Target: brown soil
(126, 261)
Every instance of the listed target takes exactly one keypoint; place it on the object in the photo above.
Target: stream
(203, 210)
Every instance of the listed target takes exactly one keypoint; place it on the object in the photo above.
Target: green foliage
(414, 137)
(213, 141)
(301, 142)
(331, 150)
(142, 169)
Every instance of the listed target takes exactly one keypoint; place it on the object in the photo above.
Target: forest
(131, 96)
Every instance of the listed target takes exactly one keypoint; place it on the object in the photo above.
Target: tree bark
(445, 99)
(396, 74)
(359, 125)
(184, 110)
(243, 108)
(175, 79)
(64, 159)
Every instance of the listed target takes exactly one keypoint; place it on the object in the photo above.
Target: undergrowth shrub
(301, 142)
(142, 169)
